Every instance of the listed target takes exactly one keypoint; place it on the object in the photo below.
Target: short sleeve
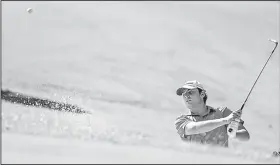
(226, 112)
(180, 124)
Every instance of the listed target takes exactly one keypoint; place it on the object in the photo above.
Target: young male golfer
(205, 124)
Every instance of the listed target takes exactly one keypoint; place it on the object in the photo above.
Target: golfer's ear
(202, 94)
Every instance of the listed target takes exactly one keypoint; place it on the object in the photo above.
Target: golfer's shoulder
(182, 118)
(221, 110)
(180, 123)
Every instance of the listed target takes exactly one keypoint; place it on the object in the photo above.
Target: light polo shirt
(217, 136)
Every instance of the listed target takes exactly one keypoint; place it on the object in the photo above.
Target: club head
(274, 41)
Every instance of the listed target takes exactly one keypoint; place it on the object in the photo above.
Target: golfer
(205, 124)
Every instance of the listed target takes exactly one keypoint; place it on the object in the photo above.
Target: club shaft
(258, 76)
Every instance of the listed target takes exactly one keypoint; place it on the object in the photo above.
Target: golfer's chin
(189, 105)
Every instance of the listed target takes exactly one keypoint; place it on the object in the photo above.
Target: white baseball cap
(189, 85)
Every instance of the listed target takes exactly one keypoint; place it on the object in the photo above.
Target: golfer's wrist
(225, 121)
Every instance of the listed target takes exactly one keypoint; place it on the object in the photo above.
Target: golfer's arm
(204, 126)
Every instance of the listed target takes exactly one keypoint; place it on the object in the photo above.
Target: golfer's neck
(199, 109)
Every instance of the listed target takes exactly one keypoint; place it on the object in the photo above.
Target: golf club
(276, 43)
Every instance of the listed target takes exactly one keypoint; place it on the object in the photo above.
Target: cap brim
(180, 91)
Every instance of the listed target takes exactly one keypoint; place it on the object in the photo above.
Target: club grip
(232, 128)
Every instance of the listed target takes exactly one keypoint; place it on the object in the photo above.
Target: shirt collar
(209, 111)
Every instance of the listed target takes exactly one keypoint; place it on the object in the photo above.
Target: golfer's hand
(234, 115)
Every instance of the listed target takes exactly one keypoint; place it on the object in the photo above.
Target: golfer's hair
(205, 97)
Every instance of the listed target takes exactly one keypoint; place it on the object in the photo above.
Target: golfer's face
(191, 96)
